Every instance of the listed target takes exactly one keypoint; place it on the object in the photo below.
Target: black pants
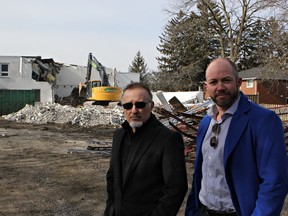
(204, 211)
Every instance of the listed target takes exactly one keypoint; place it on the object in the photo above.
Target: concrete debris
(90, 115)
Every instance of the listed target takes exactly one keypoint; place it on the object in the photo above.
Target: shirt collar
(212, 111)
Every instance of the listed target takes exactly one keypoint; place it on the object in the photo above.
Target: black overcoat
(155, 182)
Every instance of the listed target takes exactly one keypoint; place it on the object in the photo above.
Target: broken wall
(20, 77)
(71, 75)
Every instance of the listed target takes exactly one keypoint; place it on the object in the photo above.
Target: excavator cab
(102, 95)
(90, 85)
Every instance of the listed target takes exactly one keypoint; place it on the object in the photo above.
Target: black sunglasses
(138, 105)
(214, 139)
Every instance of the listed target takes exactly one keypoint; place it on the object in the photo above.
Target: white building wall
(196, 96)
(123, 79)
(20, 77)
(71, 75)
(68, 78)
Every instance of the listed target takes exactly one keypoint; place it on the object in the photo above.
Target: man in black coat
(147, 173)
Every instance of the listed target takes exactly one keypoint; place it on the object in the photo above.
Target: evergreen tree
(252, 45)
(170, 48)
(188, 43)
(216, 29)
(183, 46)
(263, 44)
(139, 66)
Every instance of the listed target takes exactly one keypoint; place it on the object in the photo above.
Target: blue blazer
(255, 162)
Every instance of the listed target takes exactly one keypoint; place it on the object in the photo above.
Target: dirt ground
(47, 170)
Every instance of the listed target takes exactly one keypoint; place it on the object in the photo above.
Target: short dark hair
(135, 85)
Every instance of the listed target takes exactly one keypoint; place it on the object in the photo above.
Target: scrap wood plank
(100, 145)
(177, 105)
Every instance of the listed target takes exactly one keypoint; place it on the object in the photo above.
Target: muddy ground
(47, 170)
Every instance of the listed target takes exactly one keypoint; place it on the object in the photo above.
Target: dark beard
(226, 104)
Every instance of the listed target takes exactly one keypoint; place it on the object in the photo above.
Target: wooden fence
(280, 110)
(254, 98)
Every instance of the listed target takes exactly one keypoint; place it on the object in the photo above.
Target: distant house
(263, 87)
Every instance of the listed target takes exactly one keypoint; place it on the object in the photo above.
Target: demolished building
(31, 79)
(26, 80)
(70, 76)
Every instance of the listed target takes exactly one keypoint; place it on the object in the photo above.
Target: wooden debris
(187, 121)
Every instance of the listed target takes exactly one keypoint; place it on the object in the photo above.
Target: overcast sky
(67, 30)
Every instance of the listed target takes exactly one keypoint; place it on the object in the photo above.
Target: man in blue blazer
(241, 165)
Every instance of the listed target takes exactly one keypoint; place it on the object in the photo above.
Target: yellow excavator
(99, 92)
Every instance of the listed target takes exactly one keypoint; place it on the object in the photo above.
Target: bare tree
(239, 15)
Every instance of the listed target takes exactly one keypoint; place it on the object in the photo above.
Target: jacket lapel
(149, 135)
(200, 137)
(237, 126)
(117, 145)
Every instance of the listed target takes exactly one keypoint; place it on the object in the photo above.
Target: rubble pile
(186, 122)
(90, 115)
